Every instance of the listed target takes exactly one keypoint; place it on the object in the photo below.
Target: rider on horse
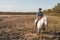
(41, 21)
(39, 15)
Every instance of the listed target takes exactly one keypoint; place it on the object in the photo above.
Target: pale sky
(26, 5)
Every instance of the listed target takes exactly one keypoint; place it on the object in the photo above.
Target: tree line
(56, 9)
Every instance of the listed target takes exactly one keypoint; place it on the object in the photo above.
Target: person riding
(39, 15)
(40, 21)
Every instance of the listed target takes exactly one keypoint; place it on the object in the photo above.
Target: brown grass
(19, 27)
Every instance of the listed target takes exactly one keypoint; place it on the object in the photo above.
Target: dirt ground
(21, 27)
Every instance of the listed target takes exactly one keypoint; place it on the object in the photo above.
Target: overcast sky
(26, 5)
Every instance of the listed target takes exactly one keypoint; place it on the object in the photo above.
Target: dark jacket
(39, 13)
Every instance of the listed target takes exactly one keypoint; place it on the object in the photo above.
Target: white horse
(40, 23)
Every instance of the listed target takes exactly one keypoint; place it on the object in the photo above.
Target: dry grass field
(21, 27)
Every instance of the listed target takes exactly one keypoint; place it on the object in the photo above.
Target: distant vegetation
(17, 13)
(56, 9)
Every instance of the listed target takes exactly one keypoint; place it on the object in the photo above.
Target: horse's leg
(38, 31)
(41, 31)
